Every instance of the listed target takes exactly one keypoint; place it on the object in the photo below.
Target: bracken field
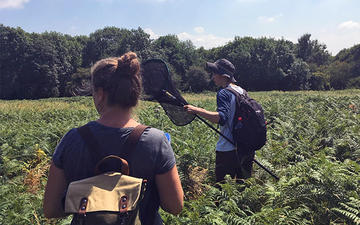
(313, 146)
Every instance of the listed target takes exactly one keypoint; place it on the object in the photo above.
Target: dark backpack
(249, 125)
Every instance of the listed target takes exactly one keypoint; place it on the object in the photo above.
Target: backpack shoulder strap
(238, 98)
(90, 142)
(245, 94)
(132, 140)
(93, 146)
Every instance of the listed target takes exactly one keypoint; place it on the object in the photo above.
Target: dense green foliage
(313, 146)
(52, 64)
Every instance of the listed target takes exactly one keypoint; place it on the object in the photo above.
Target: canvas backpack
(249, 125)
(111, 197)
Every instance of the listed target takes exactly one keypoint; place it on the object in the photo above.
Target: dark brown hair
(120, 79)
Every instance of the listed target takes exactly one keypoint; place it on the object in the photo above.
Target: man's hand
(211, 116)
(192, 109)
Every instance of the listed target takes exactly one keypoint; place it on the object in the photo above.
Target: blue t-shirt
(153, 155)
(226, 106)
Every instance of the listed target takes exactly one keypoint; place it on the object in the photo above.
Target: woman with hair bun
(116, 87)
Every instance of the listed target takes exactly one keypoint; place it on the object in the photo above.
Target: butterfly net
(158, 86)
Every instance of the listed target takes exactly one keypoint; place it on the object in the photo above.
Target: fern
(350, 210)
(233, 219)
(313, 146)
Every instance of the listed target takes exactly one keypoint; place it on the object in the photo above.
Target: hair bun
(128, 65)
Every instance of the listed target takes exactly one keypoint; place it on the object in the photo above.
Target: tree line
(52, 64)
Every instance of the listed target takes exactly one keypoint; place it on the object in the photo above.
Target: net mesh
(158, 86)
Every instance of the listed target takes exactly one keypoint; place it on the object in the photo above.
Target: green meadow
(313, 146)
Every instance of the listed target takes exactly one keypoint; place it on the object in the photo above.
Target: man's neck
(227, 84)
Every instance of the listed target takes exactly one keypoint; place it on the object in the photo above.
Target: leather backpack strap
(132, 140)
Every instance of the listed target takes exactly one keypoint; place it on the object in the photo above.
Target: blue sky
(207, 23)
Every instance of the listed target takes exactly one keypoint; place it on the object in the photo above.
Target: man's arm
(213, 117)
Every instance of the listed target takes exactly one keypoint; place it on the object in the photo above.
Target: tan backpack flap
(111, 191)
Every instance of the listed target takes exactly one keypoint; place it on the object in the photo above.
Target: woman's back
(152, 155)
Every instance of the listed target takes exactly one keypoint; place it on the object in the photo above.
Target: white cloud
(204, 40)
(349, 25)
(12, 3)
(250, 1)
(200, 39)
(265, 19)
(334, 38)
(154, 1)
(73, 30)
(140, 1)
(199, 30)
(152, 33)
(105, 1)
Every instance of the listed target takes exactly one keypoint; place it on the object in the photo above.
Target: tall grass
(313, 146)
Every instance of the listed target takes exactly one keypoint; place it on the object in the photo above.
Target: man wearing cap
(227, 160)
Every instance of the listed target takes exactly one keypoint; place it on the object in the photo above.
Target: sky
(207, 23)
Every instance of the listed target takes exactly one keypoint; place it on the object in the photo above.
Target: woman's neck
(116, 117)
